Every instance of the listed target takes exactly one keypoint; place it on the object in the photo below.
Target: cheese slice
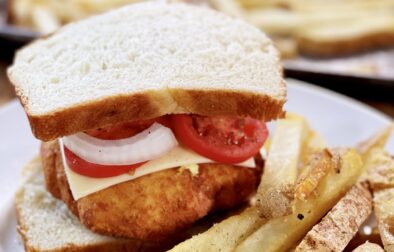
(82, 186)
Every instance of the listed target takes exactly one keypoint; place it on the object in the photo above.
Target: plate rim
(339, 97)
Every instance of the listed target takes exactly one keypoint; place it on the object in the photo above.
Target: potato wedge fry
(369, 247)
(378, 140)
(384, 210)
(379, 168)
(314, 172)
(224, 236)
(337, 228)
(380, 174)
(282, 233)
(276, 189)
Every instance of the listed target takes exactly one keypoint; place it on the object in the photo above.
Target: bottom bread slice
(46, 224)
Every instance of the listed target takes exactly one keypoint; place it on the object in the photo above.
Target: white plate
(341, 120)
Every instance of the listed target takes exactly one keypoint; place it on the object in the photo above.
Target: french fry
(315, 143)
(380, 169)
(282, 233)
(376, 159)
(263, 3)
(44, 19)
(276, 189)
(384, 210)
(20, 12)
(337, 228)
(287, 22)
(275, 21)
(287, 46)
(319, 165)
(230, 7)
(380, 174)
(224, 236)
(378, 140)
(96, 6)
(369, 247)
(341, 6)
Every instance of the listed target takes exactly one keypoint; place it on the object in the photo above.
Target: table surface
(7, 93)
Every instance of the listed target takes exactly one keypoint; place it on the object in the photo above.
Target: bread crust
(149, 105)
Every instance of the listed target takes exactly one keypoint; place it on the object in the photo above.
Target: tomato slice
(112, 132)
(86, 168)
(228, 140)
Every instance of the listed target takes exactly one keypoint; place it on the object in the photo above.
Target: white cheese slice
(82, 186)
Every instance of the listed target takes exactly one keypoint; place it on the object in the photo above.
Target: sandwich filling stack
(152, 116)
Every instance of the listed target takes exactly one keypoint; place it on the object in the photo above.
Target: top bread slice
(143, 61)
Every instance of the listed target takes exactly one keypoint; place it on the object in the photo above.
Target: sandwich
(152, 117)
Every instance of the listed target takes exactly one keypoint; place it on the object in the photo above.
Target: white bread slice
(46, 224)
(143, 61)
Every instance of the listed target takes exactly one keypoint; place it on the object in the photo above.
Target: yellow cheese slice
(82, 186)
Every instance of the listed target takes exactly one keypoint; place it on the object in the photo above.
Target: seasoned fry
(384, 210)
(280, 234)
(378, 140)
(338, 227)
(380, 174)
(224, 236)
(320, 164)
(380, 169)
(276, 189)
(369, 247)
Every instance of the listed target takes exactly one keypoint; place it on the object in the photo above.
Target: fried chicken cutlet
(155, 206)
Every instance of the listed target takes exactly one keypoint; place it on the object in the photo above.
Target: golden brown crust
(311, 47)
(159, 205)
(54, 174)
(49, 153)
(218, 102)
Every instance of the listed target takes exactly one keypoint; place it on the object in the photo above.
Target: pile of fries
(311, 197)
(318, 28)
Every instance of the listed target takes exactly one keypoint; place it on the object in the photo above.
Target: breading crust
(156, 206)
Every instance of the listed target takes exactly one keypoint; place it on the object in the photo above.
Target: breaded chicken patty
(155, 206)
